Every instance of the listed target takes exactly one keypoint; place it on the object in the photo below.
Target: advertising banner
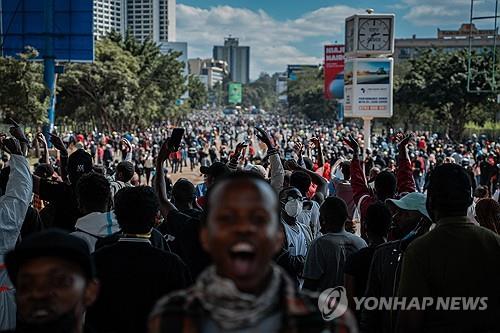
(235, 93)
(22, 23)
(293, 71)
(334, 72)
(369, 87)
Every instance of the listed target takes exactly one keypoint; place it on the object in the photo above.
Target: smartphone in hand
(176, 138)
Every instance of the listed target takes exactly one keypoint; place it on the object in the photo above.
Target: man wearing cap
(55, 282)
(13, 206)
(62, 195)
(410, 220)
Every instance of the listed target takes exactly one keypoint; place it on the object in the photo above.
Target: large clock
(374, 34)
(369, 34)
(349, 35)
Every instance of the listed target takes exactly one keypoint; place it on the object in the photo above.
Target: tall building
(237, 57)
(154, 19)
(209, 71)
(109, 15)
(447, 40)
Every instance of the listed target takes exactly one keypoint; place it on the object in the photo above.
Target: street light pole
(49, 64)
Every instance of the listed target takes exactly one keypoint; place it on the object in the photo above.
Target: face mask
(293, 208)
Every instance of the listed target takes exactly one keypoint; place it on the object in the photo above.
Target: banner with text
(334, 72)
(369, 87)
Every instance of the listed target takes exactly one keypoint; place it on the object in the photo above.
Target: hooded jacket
(95, 226)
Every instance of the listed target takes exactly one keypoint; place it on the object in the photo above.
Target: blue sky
(281, 32)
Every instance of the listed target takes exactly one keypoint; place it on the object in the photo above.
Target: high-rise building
(153, 19)
(109, 15)
(209, 71)
(237, 57)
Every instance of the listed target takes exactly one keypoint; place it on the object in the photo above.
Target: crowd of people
(96, 237)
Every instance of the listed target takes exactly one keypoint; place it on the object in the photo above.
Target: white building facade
(143, 19)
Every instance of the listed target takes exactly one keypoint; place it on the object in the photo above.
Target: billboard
(334, 72)
(294, 70)
(234, 93)
(59, 29)
(368, 87)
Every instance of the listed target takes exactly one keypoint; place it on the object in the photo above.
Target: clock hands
(373, 35)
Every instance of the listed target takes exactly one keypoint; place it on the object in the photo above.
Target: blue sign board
(69, 23)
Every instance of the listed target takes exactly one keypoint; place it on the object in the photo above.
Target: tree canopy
(129, 84)
(432, 91)
(23, 94)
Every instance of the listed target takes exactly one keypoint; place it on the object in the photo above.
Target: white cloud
(444, 12)
(273, 43)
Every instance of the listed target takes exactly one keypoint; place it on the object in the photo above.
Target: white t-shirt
(298, 238)
(310, 218)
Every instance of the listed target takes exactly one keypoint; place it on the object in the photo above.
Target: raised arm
(299, 151)
(277, 170)
(233, 161)
(358, 179)
(15, 202)
(63, 153)
(43, 144)
(405, 180)
(160, 185)
(317, 145)
(320, 182)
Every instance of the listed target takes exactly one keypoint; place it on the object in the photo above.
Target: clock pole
(367, 132)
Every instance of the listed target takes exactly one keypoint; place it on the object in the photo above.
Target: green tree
(130, 84)
(261, 92)
(434, 90)
(198, 96)
(305, 95)
(24, 96)
(104, 91)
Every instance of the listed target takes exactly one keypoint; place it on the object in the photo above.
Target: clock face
(349, 36)
(374, 34)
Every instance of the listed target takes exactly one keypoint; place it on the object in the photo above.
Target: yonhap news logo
(332, 303)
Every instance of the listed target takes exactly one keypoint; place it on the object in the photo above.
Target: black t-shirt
(157, 240)
(194, 213)
(358, 266)
(134, 276)
(186, 231)
(62, 211)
